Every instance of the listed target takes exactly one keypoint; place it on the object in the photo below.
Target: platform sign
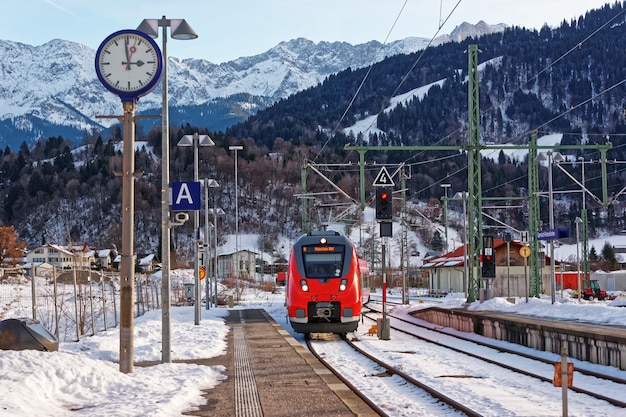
(186, 196)
(383, 179)
(552, 234)
(524, 237)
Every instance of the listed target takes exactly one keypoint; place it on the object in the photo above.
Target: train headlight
(343, 285)
(304, 286)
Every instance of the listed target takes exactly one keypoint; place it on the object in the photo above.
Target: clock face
(129, 64)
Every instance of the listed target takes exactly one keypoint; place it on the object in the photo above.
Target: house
(104, 258)
(147, 263)
(143, 263)
(447, 273)
(62, 256)
(40, 269)
(237, 264)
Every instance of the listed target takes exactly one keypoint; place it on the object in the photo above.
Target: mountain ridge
(59, 93)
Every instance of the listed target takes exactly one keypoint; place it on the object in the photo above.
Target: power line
(362, 83)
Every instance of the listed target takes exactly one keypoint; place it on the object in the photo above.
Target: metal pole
(445, 212)
(56, 304)
(104, 303)
(564, 380)
(384, 332)
(215, 246)
(76, 313)
(578, 221)
(207, 249)
(508, 267)
(465, 283)
(585, 239)
(196, 227)
(93, 321)
(236, 232)
(551, 210)
(33, 292)
(236, 258)
(166, 338)
(127, 268)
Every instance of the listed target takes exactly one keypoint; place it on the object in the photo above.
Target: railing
(73, 303)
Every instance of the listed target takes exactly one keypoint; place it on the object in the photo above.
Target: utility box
(382, 328)
(25, 333)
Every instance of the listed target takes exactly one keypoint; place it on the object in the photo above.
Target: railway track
(586, 381)
(404, 388)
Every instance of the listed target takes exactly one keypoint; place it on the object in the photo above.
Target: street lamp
(196, 140)
(551, 158)
(208, 183)
(179, 30)
(236, 148)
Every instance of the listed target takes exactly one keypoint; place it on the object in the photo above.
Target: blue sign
(552, 234)
(186, 196)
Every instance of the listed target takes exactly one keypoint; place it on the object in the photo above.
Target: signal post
(384, 214)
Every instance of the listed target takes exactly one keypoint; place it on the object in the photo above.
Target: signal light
(384, 203)
(488, 269)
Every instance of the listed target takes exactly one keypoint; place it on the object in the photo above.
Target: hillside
(528, 80)
(59, 93)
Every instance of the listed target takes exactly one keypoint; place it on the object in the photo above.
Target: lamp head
(150, 27)
(181, 30)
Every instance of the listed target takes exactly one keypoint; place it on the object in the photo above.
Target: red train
(323, 284)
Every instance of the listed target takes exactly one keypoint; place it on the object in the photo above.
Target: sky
(236, 28)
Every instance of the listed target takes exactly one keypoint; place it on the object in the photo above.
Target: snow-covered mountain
(52, 89)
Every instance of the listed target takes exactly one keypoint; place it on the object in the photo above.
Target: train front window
(323, 264)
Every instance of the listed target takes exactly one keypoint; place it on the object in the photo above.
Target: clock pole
(117, 63)
(127, 267)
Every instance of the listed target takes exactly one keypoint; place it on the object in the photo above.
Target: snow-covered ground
(83, 378)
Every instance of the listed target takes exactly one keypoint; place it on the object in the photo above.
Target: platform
(591, 342)
(271, 374)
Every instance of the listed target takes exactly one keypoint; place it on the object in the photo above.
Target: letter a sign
(186, 196)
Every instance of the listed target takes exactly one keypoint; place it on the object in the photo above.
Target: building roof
(457, 257)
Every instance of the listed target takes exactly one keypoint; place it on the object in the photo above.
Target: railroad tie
(247, 401)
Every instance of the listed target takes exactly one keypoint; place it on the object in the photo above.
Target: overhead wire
(405, 77)
(362, 83)
(417, 60)
(577, 45)
(440, 26)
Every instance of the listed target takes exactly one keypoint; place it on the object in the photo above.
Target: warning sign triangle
(383, 179)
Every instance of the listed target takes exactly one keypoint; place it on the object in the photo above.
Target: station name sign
(551, 234)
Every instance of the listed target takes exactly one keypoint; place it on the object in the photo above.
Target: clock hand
(127, 55)
(139, 63)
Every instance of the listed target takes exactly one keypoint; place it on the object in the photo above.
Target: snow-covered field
(83, 378)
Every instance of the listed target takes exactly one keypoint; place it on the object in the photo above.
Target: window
(323, 265)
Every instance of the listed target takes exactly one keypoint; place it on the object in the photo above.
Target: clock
(129, 64)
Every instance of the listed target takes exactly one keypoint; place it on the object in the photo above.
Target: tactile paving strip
(247, 402)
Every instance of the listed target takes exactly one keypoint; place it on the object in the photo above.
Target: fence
(73, 303)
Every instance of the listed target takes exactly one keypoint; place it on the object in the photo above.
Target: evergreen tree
(436, 243)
